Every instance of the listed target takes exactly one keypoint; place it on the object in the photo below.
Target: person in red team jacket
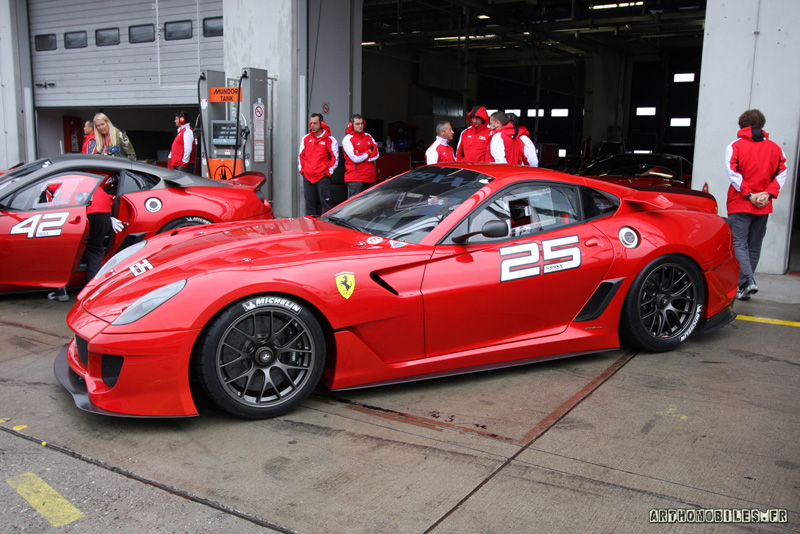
(360, 153)
(441, 151)
(473, 142)
(318, 158)
(756, 168)
(182, 152)
(505, 146)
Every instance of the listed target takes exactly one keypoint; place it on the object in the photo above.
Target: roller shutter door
(122, 53)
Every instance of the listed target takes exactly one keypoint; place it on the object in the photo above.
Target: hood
(524, 131)
(751, 133)
(478, 111)
(229, 247)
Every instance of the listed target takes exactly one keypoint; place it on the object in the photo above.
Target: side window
(596, 203)
(58, 191)
(528, 209)
(134, 181)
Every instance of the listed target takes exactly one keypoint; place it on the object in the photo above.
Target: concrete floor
(589, 444)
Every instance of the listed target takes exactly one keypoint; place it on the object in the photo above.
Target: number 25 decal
(527, 261)
(47, 225)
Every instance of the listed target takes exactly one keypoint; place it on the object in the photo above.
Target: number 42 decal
(47, 225)
(526, 260)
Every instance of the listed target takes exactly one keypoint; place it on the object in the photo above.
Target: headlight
(149, 302)
(120, 256)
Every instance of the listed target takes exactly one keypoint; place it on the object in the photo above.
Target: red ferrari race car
(43, 224)
(444, 269)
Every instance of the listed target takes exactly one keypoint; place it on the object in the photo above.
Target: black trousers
(317, 196)
(99, 228)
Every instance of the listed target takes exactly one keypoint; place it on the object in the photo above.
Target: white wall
(312, 65)
(750, 61)
(16, 115)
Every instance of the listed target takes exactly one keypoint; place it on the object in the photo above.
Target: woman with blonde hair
(110, 140)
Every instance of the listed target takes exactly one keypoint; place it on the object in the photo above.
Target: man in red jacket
(756, 169)
(360, 151)
(182, 152)
(504, 144)
(441, 151)
(319, 156)
(473, 142)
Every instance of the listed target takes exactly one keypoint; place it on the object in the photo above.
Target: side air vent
(383, 283)
(83, 350)
(599, 301)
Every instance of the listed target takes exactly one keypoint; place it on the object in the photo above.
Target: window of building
(45, 42)
(175, 31)
(75, 40)
(106, 37)
(212, 27)
(142, 33)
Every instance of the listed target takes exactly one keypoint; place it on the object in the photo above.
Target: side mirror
(490, 229)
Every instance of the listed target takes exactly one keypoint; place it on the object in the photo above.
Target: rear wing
(659, 198)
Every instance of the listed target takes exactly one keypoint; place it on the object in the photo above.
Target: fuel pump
(234, 123)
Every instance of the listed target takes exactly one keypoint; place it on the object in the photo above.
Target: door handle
(76, 220)
(591, 242)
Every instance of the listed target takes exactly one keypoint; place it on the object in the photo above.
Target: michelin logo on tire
(272, 301)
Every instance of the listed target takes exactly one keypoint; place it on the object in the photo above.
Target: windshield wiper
(341, 222)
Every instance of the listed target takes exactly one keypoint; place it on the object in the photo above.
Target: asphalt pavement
(620, 441)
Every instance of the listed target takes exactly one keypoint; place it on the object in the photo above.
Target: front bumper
(135, 374)
(77, 386)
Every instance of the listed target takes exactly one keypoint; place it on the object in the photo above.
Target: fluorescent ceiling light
(642, 151)
(683, 77)
(535, 112)
(514, 111)
(645, 112)
(616, 5)
(680, 122)
(562, 152)
(559, 113)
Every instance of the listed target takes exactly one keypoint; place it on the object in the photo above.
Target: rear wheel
(261, 357)
(663, 305)
(183, 222)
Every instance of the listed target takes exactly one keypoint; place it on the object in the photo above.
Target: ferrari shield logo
(346, 284)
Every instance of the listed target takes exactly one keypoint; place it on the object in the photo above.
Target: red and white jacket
(319, 155)
(440, 152)
(754, 164)
(503, 147)
(529, 156)
(360, 150)
(183, 148)
(473, 142)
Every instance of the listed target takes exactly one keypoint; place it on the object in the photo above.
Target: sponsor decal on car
(374, 240)
(346, 284)
(397, 244)
(271, 301)
(41, 225)
(141, 267)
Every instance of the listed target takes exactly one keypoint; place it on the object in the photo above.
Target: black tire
(261, 356)
(663, 305)
(183, 222)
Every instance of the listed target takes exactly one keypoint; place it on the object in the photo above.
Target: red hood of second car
(252, 244)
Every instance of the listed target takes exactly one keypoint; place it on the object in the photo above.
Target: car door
(529, 284)
(43, 229)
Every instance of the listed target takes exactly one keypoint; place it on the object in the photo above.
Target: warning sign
(224, 94)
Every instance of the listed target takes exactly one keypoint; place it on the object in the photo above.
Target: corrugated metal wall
(160, 72)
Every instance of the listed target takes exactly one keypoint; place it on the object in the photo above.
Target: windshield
(409, 206)
(24, 170)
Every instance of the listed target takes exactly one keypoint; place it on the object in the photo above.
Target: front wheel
(663, 305)
(262, 356)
